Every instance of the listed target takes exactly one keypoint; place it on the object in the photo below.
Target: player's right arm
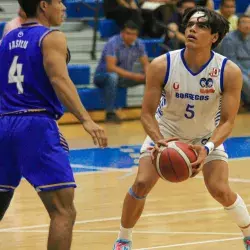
(154, 81)
(54, 49)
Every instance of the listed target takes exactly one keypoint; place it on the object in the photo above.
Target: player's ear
(43, 5)
(215, 37)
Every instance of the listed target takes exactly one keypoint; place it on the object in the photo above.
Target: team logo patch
(176, 86)
(215, 72)
(207, 85)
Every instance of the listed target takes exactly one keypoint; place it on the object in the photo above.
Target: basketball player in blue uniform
(199, 95)
(34, 81)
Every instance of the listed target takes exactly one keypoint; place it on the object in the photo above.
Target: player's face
(244, 26)
(55, 12)
(198, 33)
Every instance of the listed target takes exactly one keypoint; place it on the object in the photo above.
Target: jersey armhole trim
(44, 35)
(168, 69)
(222, 74)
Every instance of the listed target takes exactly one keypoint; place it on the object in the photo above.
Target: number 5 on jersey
(15, 75)
(189, 111)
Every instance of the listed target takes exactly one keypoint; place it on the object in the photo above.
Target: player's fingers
(152, 153)
(104, 139)
(196, 163)
(94, 138)
(100, 138)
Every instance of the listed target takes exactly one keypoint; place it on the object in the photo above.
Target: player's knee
(220, 192)
(112, 79)
(142, 187)
(66, 212)
(5, 199)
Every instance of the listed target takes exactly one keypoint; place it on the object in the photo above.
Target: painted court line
(134, 232)
(118, 218)
(190, 243)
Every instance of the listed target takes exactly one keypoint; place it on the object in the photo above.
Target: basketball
(173, 163)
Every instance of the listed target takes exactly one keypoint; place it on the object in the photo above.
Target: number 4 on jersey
(15, 75)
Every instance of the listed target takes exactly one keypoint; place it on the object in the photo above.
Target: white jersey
(190, 103)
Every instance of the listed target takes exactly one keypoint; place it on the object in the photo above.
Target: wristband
(209, 146)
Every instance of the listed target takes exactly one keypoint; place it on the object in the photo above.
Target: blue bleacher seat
(152, 47)
(108, 28)
(2, 25)
(77, 9)
(79, 74)
(93, 98)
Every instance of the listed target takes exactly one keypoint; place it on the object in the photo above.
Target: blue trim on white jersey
(222, 74)
(201, 69)
(168, 69)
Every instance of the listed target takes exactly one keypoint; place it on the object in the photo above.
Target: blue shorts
(33, 147)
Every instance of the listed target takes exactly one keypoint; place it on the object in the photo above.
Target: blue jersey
(24, 84)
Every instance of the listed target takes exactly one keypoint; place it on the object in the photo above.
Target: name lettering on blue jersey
(18, 44)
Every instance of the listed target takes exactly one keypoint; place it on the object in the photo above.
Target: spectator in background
(227, 10)
(175, 38)
(248, 11)
(155, 14)
(206, 3)
(115, 68)
(236, 47)
(16, 22)
(123, 10)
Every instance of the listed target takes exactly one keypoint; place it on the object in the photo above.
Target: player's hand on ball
(201, 156)
(163, 142)
(98, 134)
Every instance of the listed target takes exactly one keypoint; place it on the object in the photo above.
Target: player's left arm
(229, 109)
(230, 103)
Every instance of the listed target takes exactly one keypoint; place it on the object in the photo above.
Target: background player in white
(202, 91)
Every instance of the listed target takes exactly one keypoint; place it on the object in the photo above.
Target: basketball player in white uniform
(199, 95)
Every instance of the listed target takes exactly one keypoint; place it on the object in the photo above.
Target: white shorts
(218, 153)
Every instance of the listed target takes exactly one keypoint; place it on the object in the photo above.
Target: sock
(125, 233)
(239, 214)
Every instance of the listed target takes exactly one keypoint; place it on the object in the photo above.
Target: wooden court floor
(177, 216)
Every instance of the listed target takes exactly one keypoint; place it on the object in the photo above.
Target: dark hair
(130, 25)
(30, 6)
(216, 22)
(181, 2)
(222, 2)
(243, 16)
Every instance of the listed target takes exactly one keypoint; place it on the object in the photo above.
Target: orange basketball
(173, 163)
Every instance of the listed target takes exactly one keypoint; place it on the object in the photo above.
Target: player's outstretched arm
(154, 81)
(54, 48)
(230, 103)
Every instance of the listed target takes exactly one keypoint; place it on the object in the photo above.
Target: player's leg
(46, 166)
(5, 199)
(60, 207)
(216, 176)
(10, 174)
(135, 199)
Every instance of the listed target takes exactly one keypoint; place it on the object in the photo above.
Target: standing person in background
(16, 22)
(227, 10)
(206, 3)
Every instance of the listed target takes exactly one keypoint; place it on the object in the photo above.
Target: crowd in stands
(124, 60)
(163, 18)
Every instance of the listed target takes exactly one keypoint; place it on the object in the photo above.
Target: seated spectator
(155, 14)
(236, 47)
(175, 38)
(206, 3)
(123, 10)
(248, 11)
(15, 23)
(227, 9)
(115, 68)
